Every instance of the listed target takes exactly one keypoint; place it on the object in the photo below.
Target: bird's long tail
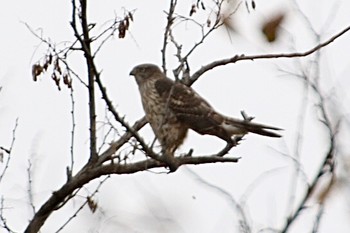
(237, 126)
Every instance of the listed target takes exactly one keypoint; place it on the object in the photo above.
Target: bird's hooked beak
(132, 72)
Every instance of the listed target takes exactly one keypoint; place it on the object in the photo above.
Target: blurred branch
(243, 57)
(298, 146)
(8, 151)
(315, 229)
(243, 222)
(328, 165)
(3, 220)
(30, 187)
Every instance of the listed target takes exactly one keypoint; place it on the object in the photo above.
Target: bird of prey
(172, 108)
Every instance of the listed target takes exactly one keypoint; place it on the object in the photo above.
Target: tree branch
(85, 42)
(167, 31)
(89, 173)
(243, 57)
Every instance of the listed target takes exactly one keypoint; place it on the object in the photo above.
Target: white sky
(180, 202)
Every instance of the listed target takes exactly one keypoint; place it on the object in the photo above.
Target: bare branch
(243, 57)
(85, 42)
(90, 172)
(70, 169)
(115, 146)
(167, 31)
(315, 229)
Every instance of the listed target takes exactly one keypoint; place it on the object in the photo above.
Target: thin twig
(328, 163)
(3, 220)
(72, 134)
(9, 150)
(298, 147)
(167, 31)
(30, 186)
(85, 42)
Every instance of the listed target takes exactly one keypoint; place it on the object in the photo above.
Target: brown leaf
(121, 29)
(208, 23)
(126, 20)
(271, 27)
(193, 9)
(203, 6)
(49, 59)
(37, 69)
(57, 66)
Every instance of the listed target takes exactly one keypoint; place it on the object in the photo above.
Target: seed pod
(36, 71)
(121, 29)
(126, 21)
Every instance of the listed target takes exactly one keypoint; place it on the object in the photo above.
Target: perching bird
(172, 108)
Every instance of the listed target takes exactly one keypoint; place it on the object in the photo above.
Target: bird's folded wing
(190, 108)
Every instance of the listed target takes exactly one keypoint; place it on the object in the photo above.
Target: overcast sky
(179, 202)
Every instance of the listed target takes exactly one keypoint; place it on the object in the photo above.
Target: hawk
(172, 108)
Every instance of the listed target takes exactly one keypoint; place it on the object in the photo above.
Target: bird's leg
(169, 159)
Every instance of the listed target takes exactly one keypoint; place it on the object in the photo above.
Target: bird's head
(144, 72)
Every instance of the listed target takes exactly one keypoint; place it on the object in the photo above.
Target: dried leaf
(208, 23)
(121, 29)
(49, 59)
(57, 66)
(253, 4)
(37, 69)
(67, 81)
(193, 9)
(203, 6)
(271, 27)
(46, 65)
(126, 21)
(56, 79)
